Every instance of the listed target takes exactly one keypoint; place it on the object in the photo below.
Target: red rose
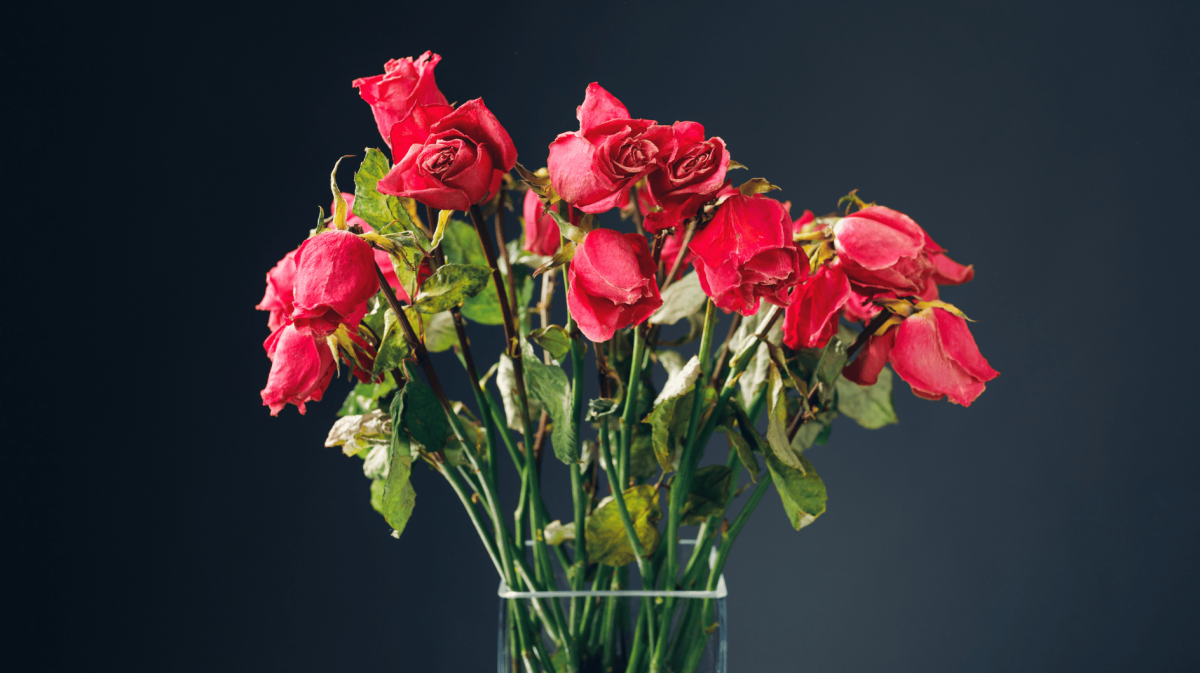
(335, 276)
(670, 251)
(542, 235)
(381, 258)
(403, 84)
(936, 354)
(882, 249)
(450, 158)
(945, 270)
(301, 368)
(816, 306)
(591, 167)
(612, 283)
(746, 253)
(693, 171)
(278, 298)
(859, 307)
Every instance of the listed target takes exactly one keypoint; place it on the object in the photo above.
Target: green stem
(628, 419)
(578, 497)
(682, 484)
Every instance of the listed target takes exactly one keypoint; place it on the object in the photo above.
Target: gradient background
(158, 519)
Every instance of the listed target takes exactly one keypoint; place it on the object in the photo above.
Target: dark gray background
(162, 160)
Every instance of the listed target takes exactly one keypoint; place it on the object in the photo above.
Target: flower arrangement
(820, 306)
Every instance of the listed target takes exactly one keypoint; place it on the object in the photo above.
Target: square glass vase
(712, 658)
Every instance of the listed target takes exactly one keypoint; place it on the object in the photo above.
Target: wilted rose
(403, 84)
(612, 283)
(816, 307)
(278, 297)
(746, 254)
(301, 368)
(687, 178)
(335, 276)
(542, 235)
(591, 168)
(449, 158)
(882, 249)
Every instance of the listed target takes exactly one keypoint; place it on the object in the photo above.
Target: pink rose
(816, 306)
(746, 253)
(882, 249)
(335, 276)
(301, 368)
(403, 84)
(542, 235)
(612, 283)
(593, 166)
(450, 158)
(936, 354)
(688, 177)
(278, 297)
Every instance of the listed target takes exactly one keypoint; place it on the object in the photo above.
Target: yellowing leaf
(607, 541)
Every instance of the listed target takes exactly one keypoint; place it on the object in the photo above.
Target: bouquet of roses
(820, 306)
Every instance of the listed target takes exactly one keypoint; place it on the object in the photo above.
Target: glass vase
(705, 652)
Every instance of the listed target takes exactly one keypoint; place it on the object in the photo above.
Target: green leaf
(379, 210)
(449, 286)
(554, 339)
(829, 368)
(710, 490)
(557, 533)
(396, 501)
(599, 408)
(461, 245)
(643, 463)
(814, 432)
(375, 464)
(417, 411)
(870, 406)
(377, 487)
(549, 385)
(777, 420)
(755, 376)
(745, 454)
(506, 381)
(440, 334)
(393, 347)
(607, 542)
(670, 415)
(800, 489)
(365, 396)
(683, 298)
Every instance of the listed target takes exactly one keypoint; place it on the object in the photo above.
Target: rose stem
(679, 257)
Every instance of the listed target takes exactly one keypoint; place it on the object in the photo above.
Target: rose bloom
(335, 276)
(301, 368)
(612, 283)
(746, 254)
(592, 168)
(382, 260)
(403, 84)
(688, 177)
(882, 250)
(278, 297)
(816, 307)
(542, 235)
(449, 158)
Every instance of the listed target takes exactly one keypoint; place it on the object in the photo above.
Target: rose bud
(694, 170)
(593, 166)
(403, 84)
(882, 249)
(301, 368)
(612, 283)
(278, 297)
(381, 258)
(335, 276)
(816, 306)
(936, 354)
(449, 158)
(670, 251)
(870, 361)
(746, 253)
(542, 235)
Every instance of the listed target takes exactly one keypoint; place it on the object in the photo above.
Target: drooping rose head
(936, 354)
(279, 294)
(449, 158)
(882, 249)
(817, 304)
(335, 276)
(612, 283)
(591, 167)
(381, 258)
(746, 254)
(403, 84)
(301, 368)
(694, 170)
(542, 235)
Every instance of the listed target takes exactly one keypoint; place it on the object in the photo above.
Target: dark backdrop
(161, 160)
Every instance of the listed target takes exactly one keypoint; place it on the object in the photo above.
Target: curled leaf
(756, 186)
